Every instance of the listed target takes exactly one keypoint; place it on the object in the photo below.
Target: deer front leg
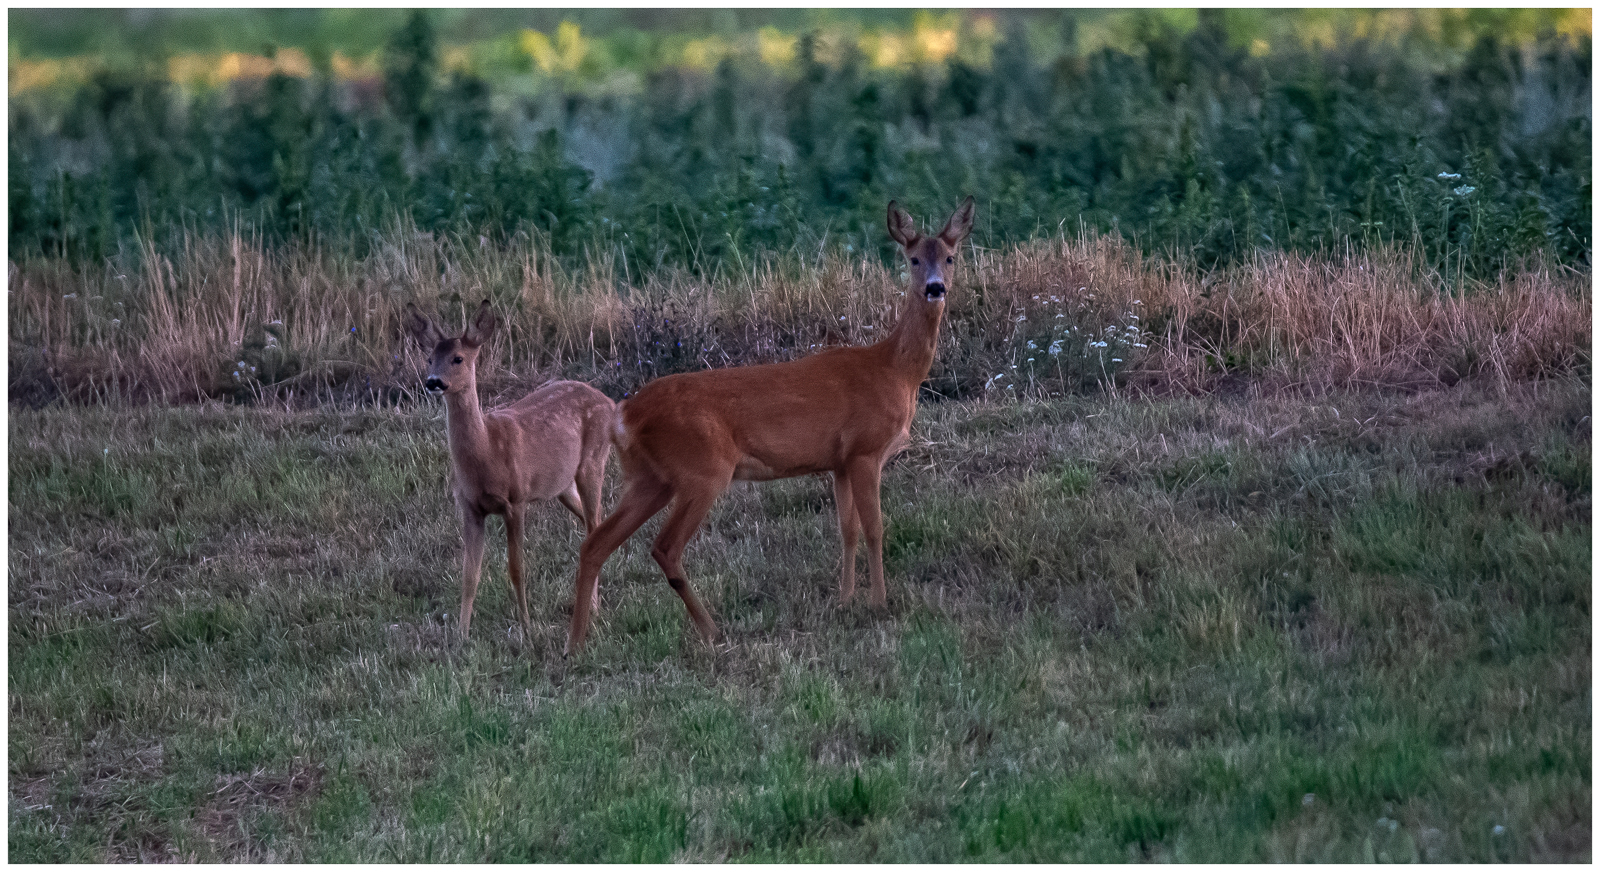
(849, 526)
(865, 476)
(514, 519)
(471, 562)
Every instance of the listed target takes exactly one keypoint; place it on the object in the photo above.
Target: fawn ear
(959, 225)
(421, 328)
(481, 328)
(901, 228)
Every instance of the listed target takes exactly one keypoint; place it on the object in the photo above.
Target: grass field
(1245, 626)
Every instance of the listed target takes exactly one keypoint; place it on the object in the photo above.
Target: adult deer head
(932, 258)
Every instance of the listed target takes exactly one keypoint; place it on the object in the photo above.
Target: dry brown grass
(154, 326)
(1382, 321)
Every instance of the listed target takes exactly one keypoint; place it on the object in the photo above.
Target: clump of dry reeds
(227, 317)
(1382, 320)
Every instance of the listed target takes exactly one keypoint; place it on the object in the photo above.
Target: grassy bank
(1354, 626)
(228, 318)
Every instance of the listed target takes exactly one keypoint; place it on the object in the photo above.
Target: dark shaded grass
(1355, 627)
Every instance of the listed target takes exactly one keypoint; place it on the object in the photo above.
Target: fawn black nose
(934, 290)
(434, 384)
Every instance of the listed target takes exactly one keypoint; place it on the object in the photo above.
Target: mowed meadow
(1213, 540)
(1330, 601)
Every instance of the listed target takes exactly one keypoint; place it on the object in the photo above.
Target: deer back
(533, 446)
(776, 420)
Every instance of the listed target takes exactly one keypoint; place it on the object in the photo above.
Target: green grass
(1348, 628)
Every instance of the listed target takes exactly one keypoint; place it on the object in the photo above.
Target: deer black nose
(934, 290)
(434, 384)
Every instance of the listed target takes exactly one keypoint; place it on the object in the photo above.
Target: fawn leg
(515, 516)
(472, 522)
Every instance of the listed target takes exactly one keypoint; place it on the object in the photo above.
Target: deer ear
(482, 326)
(901, 228)
(421, 328)
(959, 225)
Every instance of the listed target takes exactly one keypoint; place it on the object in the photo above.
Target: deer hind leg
(694, 502)
(849, 527)
(574, 503)
(589, 513)
(514, 517)
(643, 497)
(471, 562)
(590, 479)
(865, 477)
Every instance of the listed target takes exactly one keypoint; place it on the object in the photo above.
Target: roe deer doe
(553, 442)
(685, 437)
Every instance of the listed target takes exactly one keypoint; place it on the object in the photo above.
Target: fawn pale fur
(683, 438)
(552, 443)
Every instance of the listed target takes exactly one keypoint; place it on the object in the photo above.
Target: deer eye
(457, 359)
(950, 260)
(915, 262)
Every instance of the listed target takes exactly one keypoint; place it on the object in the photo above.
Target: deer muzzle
(933, 291)
(434, 384)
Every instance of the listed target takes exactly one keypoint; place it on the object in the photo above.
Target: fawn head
(452, 363)
(932, 258)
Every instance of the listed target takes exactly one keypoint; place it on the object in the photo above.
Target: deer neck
(469, 437)
(913, 339)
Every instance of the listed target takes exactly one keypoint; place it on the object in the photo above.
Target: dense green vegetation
(1182, 133)
(1203, 629)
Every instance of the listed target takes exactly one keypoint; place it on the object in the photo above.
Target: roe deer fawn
(685, 437)
(553, 442)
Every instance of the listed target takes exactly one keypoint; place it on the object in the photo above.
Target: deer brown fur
(552, 443)
(683, 438)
